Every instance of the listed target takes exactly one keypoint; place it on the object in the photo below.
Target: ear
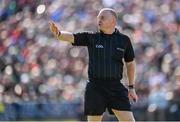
(114, 22)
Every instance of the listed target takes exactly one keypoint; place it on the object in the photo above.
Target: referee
(107, 49)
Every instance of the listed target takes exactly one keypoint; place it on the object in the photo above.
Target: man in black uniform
(107, 49)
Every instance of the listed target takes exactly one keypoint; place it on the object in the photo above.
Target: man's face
(105, 20)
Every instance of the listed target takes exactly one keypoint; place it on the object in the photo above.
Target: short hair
(112, 11)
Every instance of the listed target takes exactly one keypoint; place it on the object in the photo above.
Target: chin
(100, 28)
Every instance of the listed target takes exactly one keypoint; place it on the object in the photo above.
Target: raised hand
(61, 35)
(54, 29)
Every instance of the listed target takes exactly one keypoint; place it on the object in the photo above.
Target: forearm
(131, 71)
(66, 36)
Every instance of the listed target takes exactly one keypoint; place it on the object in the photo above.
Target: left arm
(131, 71)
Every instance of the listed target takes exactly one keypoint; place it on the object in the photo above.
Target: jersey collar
(115, 32)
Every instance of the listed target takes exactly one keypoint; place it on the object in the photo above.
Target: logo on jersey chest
(99, 46)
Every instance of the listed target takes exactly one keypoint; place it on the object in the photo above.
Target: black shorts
(100, 97)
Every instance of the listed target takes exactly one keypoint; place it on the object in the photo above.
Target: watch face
(131, 86)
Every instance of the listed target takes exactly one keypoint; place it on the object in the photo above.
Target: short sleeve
(81, 39)
(129, 52)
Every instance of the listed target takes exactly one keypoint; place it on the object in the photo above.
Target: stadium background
(45, 78)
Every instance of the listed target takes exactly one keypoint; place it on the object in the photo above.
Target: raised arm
(61, 35)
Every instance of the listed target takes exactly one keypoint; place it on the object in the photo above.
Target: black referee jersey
(106, 53)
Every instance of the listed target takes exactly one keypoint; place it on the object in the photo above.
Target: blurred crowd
(41, 69)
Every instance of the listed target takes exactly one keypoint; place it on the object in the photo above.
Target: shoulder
(121, 35)
(123, 38)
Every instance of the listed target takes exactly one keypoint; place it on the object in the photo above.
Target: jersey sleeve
(129, 52)
(81, 39)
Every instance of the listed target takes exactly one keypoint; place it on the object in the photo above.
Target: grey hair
(112, 11)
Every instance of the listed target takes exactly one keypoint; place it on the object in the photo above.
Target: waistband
(105, 81)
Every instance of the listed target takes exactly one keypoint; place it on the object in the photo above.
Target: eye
(102, 17)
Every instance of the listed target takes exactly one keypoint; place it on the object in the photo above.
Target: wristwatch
(131, 87)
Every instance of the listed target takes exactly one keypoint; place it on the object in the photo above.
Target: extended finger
(54, 28)
(51, 26)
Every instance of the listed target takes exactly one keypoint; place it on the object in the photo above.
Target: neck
(108, 31)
